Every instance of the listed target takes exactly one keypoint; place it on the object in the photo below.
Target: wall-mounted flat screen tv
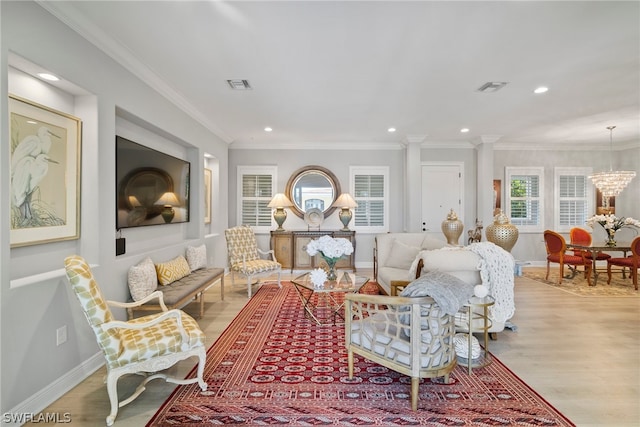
(152, 187)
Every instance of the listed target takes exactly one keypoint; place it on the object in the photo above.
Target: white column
(484, 180)
(413, 183)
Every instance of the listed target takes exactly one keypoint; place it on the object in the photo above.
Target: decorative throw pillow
(142, 279)
(401, 255)
(170, 271)
(197, 257)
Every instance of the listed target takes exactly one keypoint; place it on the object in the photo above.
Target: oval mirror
(312, 187)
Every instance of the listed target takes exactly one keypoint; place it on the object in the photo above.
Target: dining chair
(632, 262)
(581, 236)
(556, 247)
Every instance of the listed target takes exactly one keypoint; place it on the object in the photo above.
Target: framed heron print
(45, 149)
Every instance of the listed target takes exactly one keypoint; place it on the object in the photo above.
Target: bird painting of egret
(45, 159)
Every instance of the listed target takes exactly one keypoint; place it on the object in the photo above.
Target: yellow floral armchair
(140, 346)
(244, 256)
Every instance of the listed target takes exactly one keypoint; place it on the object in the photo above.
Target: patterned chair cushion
(241, 242)
(142, 279)
(255, 266)
(158, 340)
(197, 257)
(170, 271)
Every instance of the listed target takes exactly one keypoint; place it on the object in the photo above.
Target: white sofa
(394, 253)
(479, 263)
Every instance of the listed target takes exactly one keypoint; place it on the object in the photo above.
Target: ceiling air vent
(238, 84)
(490, 87)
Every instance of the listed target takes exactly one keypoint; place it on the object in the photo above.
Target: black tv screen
(152, 187)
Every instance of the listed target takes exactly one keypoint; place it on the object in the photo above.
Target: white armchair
(383, 329)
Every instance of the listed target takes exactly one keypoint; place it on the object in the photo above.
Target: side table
(477, 320)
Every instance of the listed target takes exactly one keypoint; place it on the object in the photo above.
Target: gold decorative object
(452, 228)
(502, 232)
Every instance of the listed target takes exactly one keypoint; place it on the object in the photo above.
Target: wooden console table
(290, 248)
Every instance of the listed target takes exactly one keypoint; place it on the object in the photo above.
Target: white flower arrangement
(318, 277)
(612, 223)
(330, 247)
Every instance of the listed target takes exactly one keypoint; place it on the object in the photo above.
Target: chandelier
(613, 182)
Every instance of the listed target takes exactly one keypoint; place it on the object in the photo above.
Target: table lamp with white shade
(169, 200)
(345, 202)
(279, 202)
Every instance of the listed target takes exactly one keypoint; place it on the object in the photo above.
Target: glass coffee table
(325, 305)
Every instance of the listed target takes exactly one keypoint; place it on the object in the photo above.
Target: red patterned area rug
(272, 366)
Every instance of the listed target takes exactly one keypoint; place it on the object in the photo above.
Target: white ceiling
(328, 72)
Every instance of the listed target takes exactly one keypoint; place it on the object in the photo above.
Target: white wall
(112, 101)
(530, 246)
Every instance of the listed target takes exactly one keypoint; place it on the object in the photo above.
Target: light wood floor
(581, 354)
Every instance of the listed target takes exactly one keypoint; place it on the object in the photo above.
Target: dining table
(596, 247)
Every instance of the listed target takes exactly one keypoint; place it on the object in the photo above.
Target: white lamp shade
(168, 198)
(280, 201)
(345, 201)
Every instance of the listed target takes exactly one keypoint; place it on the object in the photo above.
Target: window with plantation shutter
(255, 193)
(525, 198)
(370, 189)
(573, 198)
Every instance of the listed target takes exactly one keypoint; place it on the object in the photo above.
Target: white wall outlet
(61, 335)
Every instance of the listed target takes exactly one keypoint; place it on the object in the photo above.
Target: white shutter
(256, 191)
(369, 189)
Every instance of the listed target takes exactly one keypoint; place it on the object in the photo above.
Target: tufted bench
(184, 290)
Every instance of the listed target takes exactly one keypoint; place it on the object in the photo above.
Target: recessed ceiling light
(49, 77)
(464, 130)
(268, 129)
(541, 89)
(391, 129)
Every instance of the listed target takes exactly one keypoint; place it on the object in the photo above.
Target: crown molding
(75, 20)
(333, 146)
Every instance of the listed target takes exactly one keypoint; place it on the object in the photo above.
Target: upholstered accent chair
(410, 335)
(632, 262)
(245, 256)
(142, 346)
(556, 247)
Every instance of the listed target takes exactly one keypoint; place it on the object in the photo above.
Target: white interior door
(442, 190)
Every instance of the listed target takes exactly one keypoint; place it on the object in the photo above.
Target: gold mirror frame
(306, 171)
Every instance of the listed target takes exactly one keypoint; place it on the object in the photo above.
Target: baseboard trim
(45, 397)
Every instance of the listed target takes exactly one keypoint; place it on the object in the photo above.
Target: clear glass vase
(611, 238)
(331, 264)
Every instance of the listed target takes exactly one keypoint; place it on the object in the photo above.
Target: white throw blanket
(496, 272)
